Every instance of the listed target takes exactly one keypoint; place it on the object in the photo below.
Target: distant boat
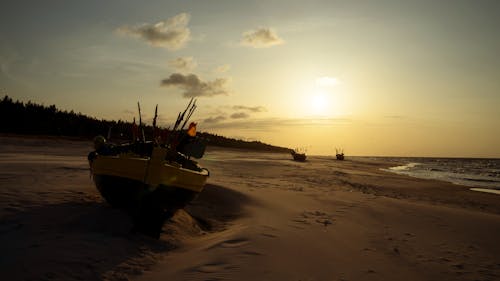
(298, 155)
(339, 153)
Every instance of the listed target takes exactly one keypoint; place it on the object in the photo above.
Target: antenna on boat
(140, 122)
(156, 116)
(135, 131)
(181, 116)
(154, 123)
(109, 133)
(191, 110)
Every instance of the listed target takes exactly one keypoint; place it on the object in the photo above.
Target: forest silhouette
(17, 117)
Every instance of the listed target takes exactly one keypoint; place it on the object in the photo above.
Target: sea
(479, 174)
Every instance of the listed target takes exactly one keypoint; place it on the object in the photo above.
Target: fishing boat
(299, 155)
(150, 179)
(339, 153)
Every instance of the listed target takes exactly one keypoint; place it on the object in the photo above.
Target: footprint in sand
(231, 243)
(269, 235)
(268, 227)
(317, 217)
(210, 267)
(252, 253)
(303, 221)
(234, 243)
(268, 230)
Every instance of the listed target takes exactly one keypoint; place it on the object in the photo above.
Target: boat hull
(300, 157)
(121, 192)
(149, 188)
(125, 181)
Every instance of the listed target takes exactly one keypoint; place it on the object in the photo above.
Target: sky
(375, 77)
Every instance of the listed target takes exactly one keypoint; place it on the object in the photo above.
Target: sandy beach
(261, 216)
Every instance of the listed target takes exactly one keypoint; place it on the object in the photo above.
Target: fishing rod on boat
(140, 117)
(171, 133)
(177, 121)
(140, 122)
(191, 110)
(156, 116)
(154, 123)
(181, 116)
(135, 131)
(109, 133)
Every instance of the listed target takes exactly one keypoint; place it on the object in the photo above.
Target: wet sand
(260, 217)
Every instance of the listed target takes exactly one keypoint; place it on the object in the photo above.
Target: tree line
(31, 118)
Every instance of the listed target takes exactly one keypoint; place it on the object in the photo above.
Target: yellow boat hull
(127, 180)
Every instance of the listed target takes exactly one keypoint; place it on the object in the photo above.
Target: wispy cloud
(240, 115)
(183, 63)
(261, 38)
(193, 86)
(8, 57)
(128, 112)
(327, 81)
(223, 113)
(395, 117)
(214, 119)
(250, 108)
(267, 124)
(172, 33)
(222, 69)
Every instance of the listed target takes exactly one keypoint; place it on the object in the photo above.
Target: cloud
(250, 108)
(129, 112)
(327, 81)
(269, 124)
(223, 68)
(261, 38)
(395, 117)
(172, 33)
(183, 63)
(240, 115)
(233, 112)
(215, 119)
(194, 87)
(9, 57)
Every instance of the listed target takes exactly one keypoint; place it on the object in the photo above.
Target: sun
(320, 97)
(319, 102)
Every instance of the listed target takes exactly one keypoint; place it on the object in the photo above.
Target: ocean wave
(405, 167)
(467, 172)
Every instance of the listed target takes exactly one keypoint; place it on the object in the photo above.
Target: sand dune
(261, 217)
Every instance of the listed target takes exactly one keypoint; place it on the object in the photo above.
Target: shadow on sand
(92, 241)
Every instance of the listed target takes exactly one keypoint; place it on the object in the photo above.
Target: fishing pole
(156, 115)
(179, 120)
(154, 123)
(191, 110)
(140, 122)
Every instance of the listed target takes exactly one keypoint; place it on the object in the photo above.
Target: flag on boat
(191, 131)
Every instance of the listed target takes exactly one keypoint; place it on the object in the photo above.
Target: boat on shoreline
(339, 153)
(299, 155)
(118, 176)
(149, 179)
